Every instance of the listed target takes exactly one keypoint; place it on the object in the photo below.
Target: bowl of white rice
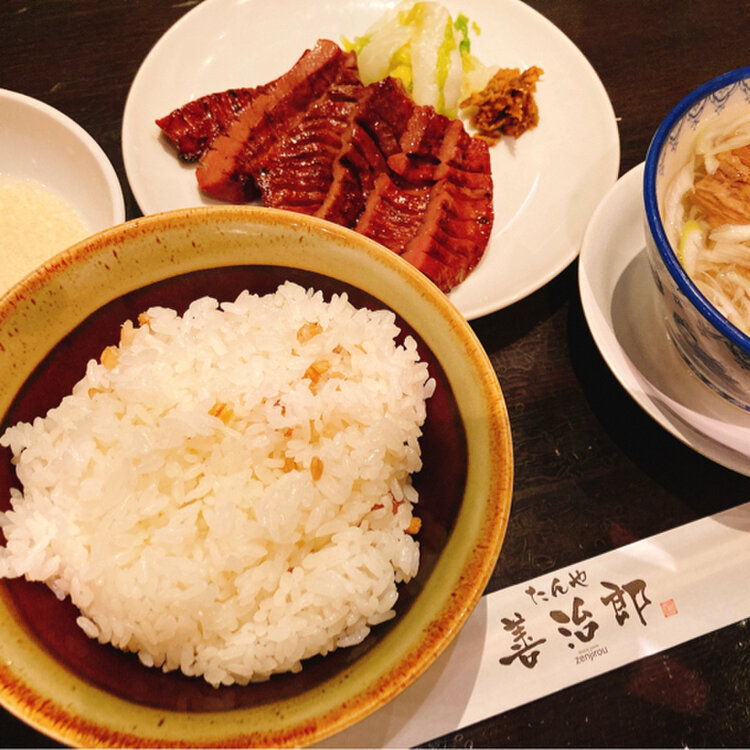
(255, 473)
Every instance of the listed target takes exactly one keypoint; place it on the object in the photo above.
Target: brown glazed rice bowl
(83, 693)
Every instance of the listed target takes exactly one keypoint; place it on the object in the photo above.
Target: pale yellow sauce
(35, 224)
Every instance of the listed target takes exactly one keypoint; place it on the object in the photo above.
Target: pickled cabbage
(429, 51)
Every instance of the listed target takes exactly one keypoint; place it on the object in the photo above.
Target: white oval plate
(623, 312)
(547, 183)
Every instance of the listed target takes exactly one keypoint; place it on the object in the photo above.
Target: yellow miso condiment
(35, 224)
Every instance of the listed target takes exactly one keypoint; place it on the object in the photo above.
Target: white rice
(208, 501)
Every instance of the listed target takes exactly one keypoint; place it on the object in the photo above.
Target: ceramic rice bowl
(81, 692)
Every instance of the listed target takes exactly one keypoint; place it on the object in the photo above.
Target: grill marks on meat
(373, 135)
(193, 127)
(445, 248)
(393, 211)
(228, 169)
(459, 217)
(434, 204)
(298, 174)
(317, 141)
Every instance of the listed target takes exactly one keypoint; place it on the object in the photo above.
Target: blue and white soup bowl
(714, 349)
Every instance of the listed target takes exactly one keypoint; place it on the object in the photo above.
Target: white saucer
(621, 308)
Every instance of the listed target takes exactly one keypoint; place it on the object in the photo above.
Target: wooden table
(592, 470)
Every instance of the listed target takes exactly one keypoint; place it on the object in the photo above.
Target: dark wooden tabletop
(592, 469)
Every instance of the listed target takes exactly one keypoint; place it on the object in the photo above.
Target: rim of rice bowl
(658, 143)
(37, 685)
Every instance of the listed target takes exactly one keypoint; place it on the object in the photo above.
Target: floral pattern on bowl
(714, 349)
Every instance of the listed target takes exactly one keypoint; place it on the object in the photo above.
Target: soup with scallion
(707, 216)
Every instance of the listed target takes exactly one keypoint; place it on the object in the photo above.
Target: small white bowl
(714, 349)
(42, 144)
